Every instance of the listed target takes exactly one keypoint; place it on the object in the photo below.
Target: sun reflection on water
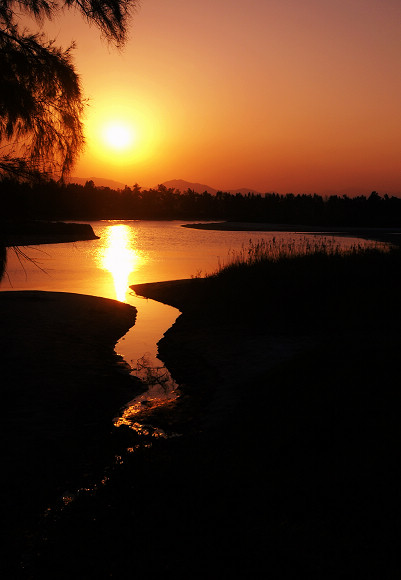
(119, 257)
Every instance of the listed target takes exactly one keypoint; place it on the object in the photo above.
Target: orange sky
(274, 95)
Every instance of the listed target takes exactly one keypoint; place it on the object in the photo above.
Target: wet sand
(390, 235)
(30, 233)
(212, 360)
(294, 463)
(61, 385)
(285, 464)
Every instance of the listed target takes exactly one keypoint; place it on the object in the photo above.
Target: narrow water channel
(139, 349)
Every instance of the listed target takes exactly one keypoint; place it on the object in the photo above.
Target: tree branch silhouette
(41, 101)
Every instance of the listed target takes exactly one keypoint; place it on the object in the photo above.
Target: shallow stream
(135, 252)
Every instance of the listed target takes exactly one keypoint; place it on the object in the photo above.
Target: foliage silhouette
(71, 201)
(41, 103)
(320, 288)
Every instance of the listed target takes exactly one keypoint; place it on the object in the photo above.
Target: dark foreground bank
(286, 466)
(382, 234)
(301, 427)
(32, 232)
(61, 386)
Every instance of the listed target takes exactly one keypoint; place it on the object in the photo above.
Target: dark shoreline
(30, 232)
(390, 235)
(298, 427)
(62, 385)
(287, 460)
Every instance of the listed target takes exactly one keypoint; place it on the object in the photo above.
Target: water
(130, 252)
(133, 252)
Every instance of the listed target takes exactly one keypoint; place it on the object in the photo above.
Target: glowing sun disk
(118, 136)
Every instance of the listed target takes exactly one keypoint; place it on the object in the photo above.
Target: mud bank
(16, 233)
(389, 235)
(61, 386)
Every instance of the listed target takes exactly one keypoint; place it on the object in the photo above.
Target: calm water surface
(134, 252)
(131, 252)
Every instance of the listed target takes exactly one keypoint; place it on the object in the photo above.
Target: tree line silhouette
(51, 200)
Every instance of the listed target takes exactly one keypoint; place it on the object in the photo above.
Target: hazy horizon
(112, 183)
(271, 96)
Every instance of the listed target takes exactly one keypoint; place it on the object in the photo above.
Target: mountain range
(179, 184)
(98, 181)
(183, 185)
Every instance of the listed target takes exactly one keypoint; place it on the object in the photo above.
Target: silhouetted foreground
(60, 387)
(388, 235)
(30, 232)
(287, 464)
(51, 200)
(301, 429)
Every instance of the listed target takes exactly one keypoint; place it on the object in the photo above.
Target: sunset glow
(119, 258)
(118, 136)
(281, 96)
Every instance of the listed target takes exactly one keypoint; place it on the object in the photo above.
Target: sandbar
(62, 385)
(390, 235)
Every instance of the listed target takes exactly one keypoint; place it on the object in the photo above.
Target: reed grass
(305, 282)
(268, 251)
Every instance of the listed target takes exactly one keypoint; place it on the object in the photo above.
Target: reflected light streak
(119, 257)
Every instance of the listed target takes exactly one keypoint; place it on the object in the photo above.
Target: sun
(118, 136)
(121, 135)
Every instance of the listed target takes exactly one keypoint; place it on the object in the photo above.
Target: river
(131, 252)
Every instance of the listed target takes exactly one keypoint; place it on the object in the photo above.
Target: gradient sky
(273, 95)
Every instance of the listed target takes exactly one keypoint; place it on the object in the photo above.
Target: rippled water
(135, 252)
(131, 252)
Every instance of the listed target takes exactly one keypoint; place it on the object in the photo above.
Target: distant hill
(183, 185)
(98, 181)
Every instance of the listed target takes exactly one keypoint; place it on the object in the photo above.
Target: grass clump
(265, 251)
(310, 282)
